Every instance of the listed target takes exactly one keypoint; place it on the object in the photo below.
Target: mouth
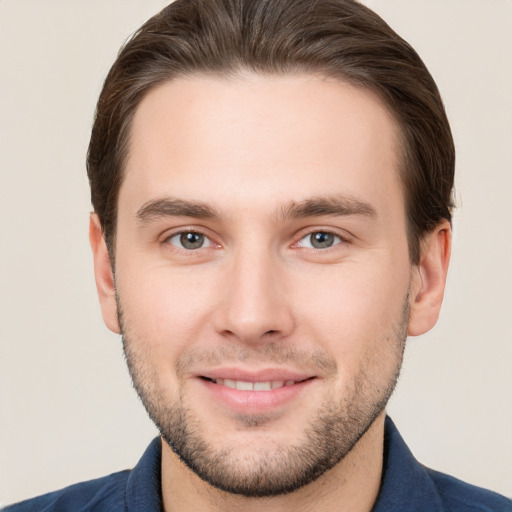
(244, 385)
(256, 393)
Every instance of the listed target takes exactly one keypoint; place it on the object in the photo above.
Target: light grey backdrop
(67, 410)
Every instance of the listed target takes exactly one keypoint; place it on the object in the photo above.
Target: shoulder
(409, 486)
(457, 495)
(102, 494)
(137, 489)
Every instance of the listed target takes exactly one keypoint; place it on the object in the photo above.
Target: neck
(352, 485)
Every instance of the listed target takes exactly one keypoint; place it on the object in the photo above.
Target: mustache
(268, 354)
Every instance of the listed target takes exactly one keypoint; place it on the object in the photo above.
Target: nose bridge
(254, 306)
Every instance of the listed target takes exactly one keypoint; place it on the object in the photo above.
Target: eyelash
(181, 233)
(338, 239)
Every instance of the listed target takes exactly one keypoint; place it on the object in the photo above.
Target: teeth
(262, 386)
(244, 386)
(253, 386)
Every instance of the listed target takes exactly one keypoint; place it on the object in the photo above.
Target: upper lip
(263, 375)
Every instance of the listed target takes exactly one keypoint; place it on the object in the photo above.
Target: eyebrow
(169, 207)
(335, 205)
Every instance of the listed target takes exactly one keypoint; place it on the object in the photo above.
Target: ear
(429, 279)
(103, 274)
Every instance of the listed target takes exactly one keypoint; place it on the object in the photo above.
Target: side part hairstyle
(340, 39)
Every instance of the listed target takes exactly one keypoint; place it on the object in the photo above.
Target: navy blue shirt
(407, 486)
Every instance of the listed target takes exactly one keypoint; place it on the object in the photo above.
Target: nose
(254, 305)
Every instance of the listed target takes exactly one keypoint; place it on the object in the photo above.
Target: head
(271, 184)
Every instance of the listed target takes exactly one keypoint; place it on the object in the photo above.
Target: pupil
(191, 240)
(321, 240)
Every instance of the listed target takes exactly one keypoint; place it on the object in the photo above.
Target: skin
(257, 297)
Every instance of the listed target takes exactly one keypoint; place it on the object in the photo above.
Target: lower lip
(255, 402)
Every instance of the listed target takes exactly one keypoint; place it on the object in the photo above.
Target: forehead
(248, 139)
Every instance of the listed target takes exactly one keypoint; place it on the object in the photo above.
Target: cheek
(163, 308)
(357, 310)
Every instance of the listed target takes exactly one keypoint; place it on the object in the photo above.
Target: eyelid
(206, 241)
(344, 237)
(167, 235)
(337, 240)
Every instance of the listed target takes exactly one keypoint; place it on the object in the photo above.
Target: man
(271, 183)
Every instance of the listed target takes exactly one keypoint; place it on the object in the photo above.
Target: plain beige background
(67, 410)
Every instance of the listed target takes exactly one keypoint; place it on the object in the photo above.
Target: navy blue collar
(406, 485)
(143, 488)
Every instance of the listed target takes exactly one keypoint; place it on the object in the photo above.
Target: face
(262, 273)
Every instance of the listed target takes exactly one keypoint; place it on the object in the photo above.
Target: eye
(320, 240)
(189, 240)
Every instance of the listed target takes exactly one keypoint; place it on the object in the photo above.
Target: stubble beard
(280, 469)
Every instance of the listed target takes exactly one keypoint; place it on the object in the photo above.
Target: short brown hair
(335, 38)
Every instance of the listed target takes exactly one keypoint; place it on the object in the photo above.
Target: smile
(254, 394)
(243, 385)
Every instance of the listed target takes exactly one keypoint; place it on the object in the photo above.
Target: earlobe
(103, 275)
(429, 280)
